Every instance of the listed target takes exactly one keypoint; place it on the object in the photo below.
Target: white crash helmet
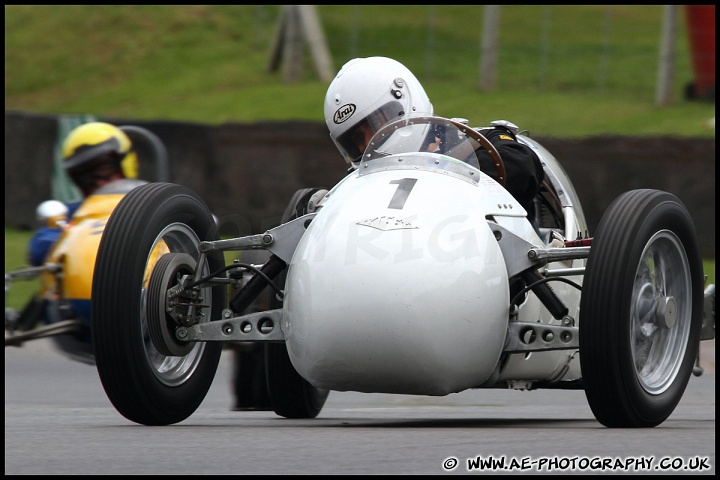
(370, 91)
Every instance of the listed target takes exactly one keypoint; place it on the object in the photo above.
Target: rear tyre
(149, 377)
(291, 395)
(641, 310)
(249, 380)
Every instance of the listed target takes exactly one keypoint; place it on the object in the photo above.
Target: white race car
(416, 274)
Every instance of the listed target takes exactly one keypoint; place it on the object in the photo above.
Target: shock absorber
(546, 294)
(272, 268)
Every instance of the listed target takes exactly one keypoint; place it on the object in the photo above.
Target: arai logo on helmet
(343, 113)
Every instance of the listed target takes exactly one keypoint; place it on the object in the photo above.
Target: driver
(94, 154)
(369, 92)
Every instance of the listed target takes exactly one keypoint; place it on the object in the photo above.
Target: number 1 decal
(405, 185)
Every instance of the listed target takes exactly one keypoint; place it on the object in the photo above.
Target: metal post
(666, 67)
(313, 33)
(489, 46)
(299, 24)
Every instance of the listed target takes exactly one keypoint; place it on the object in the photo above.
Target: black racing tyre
(291, 395)
(641, 310)
(144, 385)
(249, 380)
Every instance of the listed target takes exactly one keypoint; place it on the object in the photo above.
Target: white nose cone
(399, 286)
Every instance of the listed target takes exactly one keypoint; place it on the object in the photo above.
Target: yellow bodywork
(76, 250)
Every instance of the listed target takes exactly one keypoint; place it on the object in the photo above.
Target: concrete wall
(248, 172)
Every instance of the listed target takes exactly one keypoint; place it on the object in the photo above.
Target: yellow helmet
(90, 141)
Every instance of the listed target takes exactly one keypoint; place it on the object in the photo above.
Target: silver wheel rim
(173, 371)
(661, 312)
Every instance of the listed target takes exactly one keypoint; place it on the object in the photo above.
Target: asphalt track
(58, 421)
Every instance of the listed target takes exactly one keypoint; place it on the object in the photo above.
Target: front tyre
(641, 310)
(147, 384)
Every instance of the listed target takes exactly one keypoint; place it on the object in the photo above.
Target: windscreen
(426, 134)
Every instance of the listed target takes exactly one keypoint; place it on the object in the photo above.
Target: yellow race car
(61, 307)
